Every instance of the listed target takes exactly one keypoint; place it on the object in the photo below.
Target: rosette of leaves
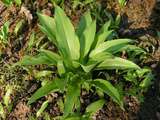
(80, 52)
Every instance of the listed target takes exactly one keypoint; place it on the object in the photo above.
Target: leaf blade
(117, 63)
(109, 89)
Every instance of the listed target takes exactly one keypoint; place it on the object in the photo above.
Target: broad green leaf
(85, 21)
(88, 67)
(60, 67)
(112, 46)
(67, 39)
(101, 57)
(117, 63)
(18, 2)
(102, 37)
(95, 60)
(47, 25)
(7, 2)
(104, 28)
(35, 60)
(43, 107)
(103, 33)
(95, 106)
(52, 86)
(87, 39)
(73, 117)
(54, 57)
(73, 92)
(109, 89)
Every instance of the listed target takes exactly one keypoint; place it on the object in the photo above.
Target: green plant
(4, 33)
(80, 2)
(141, 80)
(80, 53)
(122, 3)
(43, 107)
(9, 2)
(5, 104)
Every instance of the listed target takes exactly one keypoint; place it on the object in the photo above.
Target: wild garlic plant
(80, 52)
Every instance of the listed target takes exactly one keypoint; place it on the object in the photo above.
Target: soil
(140, 21)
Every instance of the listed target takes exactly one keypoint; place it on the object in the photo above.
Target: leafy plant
(4, 33)
(80, 2)
(9, 2)
(80, 52)
(43, 107)
(5, 104)
(141, 79)
(122, 3)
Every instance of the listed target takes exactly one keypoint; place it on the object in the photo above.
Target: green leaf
(18, 2)
(7, 96)
(103, 33)
(43, 107)
(31, 41)
(19, 26)
(122, 3)
(2, 112)
(60, 67)
(87, 39)
(109, 89)
(43, 73)
(129, 48)
(95, 60)
(95, 106)
(117, 63)
(147, 81)
(7, 2)
(35, 60)
(73, 92)
(47, 25)
(103, 36)
(73, 117)
(52, 86)
(89, 66)
(68, 42)
(101, 56)
(112, 46)
(54, 57)
(85, 21)
(4, 32)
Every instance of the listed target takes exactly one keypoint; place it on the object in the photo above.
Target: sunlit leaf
(73, 92)
(109, 89)
(85, 21)
(47, 25)
(55, 85)
(117, 63)
(67, 39)
(87, 39)
(95, 106)
(111, 46)
(43, 107)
